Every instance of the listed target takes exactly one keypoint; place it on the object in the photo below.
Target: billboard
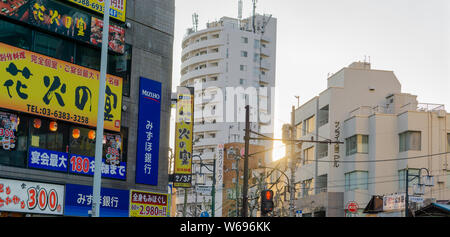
(31, 197)
(44, 86)
(113, 202)
(149, 204)
(183, 137)
(117, 7)
(147, 156)
(63, 20)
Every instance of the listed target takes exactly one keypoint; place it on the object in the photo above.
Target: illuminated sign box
(44, 86)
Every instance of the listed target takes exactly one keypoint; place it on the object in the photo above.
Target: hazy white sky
(317, 37)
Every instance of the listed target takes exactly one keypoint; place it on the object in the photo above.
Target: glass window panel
(50, 135)
(54, 47)
(15, 35)
(363, 143)
(82, 141)
(88, 57)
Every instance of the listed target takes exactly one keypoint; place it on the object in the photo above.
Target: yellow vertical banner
(184, 133)
(44, 86)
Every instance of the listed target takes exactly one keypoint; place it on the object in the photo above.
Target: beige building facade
(383, 132)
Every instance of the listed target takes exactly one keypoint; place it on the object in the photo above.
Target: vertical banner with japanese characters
(149, 204)
(183, 137)
(219, 178)
(44, 86)
(113, 202)
(147, 157)
(31, 197)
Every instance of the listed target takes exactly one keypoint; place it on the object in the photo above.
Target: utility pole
(247, 144)
(292, 166)
(97, 182)
(237, 185)
(213, 190)
(407, 196)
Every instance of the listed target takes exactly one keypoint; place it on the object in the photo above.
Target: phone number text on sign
(146, 204)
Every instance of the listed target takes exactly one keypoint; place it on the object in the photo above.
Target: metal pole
(237, 186)
(213, 190)
(100, 114)
(247, 140)
(185, 202)
(292, 166)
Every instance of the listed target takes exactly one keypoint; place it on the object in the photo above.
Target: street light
(429, 182)
(213, 190)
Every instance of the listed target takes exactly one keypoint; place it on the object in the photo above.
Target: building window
(310, 124)
(411, 174)
(120, 65)
(243, 68)
(49, 134)
(357, 180)
(84, 143)
(244, 40)
(410, 140)
(257, 45)
(448, 179)
(448, 142)
(357, 144)
(244, 54)
(299, 130)
(15, 35)
(308, 155)
(241, 81)
(308, 187)
(54, 47)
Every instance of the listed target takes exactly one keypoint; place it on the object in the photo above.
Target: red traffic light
(267, 195)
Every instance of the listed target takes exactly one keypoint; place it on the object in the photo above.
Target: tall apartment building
(384, 132)
(231, 63)
(51, 147)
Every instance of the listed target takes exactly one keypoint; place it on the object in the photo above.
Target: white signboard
(219, 179)
(204, 190)
(31, 197)
(394, 202)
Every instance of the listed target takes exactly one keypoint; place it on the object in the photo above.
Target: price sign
(31, 197)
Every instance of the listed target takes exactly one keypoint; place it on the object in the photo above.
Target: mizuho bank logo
(151, 95)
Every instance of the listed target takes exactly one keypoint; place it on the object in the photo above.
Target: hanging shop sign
(8, 128)
(78, 202)
(147, 156)
(117, 7)
(64, 20)
(44, 86)
(149, 204)
(31, 197)
(183, 137)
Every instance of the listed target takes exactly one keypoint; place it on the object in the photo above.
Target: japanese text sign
(148, 132)
(146, 204)
(113, 202)
(31, 197)
(183, 136)
(75, 164)
(37, 84)
(117, 7)
(63, 20)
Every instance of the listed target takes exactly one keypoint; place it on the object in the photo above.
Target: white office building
(384, 132)
(230, 64)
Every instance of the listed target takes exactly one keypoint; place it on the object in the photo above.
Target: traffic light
(266, 202)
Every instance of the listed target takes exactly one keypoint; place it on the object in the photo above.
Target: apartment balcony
(265, 64)
(202, 72)
(203, 58)
(202, 44)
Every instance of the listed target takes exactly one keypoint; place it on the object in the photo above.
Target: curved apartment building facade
(230, 65)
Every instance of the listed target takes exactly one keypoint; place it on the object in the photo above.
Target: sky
(318, 37)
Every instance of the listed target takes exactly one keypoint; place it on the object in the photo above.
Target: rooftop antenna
(254, 14)
(240, 5)
(195, 21)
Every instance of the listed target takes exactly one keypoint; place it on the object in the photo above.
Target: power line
(386, 160)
